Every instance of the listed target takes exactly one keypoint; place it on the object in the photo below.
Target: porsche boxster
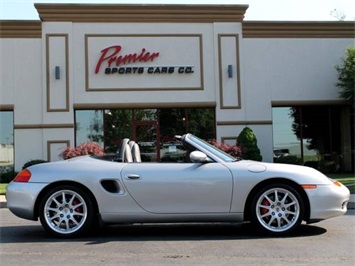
(194, 182)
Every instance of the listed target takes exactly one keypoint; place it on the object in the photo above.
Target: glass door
(146, 132)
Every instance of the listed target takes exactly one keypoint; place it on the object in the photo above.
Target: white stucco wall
(21, 86)
(20, 81)
(272, 70)
(291, 69)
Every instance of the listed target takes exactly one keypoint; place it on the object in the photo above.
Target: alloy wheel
(65, 211)
(278, 210)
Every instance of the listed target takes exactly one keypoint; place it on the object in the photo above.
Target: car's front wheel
(66, 211)
(277, 209)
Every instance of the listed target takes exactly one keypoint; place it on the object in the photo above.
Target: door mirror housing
(199, 157)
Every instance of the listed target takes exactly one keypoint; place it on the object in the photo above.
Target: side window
(172, 151)
(175, 152)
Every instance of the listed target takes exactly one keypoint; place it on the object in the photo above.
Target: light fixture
(230, 71)
(57, 72)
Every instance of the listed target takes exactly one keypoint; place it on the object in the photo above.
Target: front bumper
(21, 198)
(327, 201)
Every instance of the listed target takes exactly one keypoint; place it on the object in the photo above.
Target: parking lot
(331, 242)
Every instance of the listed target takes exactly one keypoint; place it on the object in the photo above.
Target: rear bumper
(327, 201)
(21, 198)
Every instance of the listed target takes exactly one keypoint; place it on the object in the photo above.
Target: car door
(179, 187)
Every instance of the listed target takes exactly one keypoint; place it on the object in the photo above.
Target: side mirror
(199, 157)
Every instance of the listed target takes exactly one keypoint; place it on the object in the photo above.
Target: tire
(277, 209)
(66, 211)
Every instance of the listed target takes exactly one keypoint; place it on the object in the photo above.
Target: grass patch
(3, 189)
(346, 179)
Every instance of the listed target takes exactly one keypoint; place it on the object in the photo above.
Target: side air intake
(110, 186)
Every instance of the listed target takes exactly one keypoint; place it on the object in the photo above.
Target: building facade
(148, 72)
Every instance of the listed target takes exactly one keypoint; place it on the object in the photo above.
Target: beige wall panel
(57, 86)
(54, 148)
(228, 46)
(6, 71)
(28, 146)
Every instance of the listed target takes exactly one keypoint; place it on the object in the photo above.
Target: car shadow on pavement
(152, 232)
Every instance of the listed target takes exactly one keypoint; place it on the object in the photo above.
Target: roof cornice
(20, 29)
(298, 29)
(141, 13)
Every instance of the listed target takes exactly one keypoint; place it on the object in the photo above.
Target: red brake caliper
(265, 203)
(79, 209)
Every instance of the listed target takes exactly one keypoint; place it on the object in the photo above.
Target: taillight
(23, 176)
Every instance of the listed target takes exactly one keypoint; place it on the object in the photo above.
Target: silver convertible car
(70, 197)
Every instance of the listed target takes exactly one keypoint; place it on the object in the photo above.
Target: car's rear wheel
(66, 211)
(277, 209)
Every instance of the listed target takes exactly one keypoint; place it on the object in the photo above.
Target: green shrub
(329, 166)
(7, 177)
(248, 144)
(313, 164)
(289, 159)
(33, 162)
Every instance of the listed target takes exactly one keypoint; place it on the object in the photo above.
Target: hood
(300, 174)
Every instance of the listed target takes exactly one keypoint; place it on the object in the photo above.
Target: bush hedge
(7, 177)
(248, 144)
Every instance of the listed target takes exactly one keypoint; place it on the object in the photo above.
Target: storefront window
(117, 126)
(89, 126)
(311, 135)
(153, 129)
(6, 141)
(198, 121)
(285, 141)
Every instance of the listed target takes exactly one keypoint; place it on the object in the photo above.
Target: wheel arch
(65, 183)
(300, 190)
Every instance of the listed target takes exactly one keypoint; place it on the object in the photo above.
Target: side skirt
(170, 218)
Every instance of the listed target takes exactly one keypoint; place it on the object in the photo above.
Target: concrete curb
(351, 203)
(2, 201)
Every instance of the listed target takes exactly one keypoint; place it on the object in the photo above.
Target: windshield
(221, 154)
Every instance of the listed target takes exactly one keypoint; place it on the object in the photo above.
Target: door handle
(133, 176)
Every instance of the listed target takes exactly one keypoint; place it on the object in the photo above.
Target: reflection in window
(89, 126)
(310, 133)
(201, 122)
(117, 126)
(198, 121)
(145, 114)
(285, 141)
(178, 121)
(6, 141)
(153, 129)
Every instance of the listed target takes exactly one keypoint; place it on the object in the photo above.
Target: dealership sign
(143, 62)
(115, 61)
